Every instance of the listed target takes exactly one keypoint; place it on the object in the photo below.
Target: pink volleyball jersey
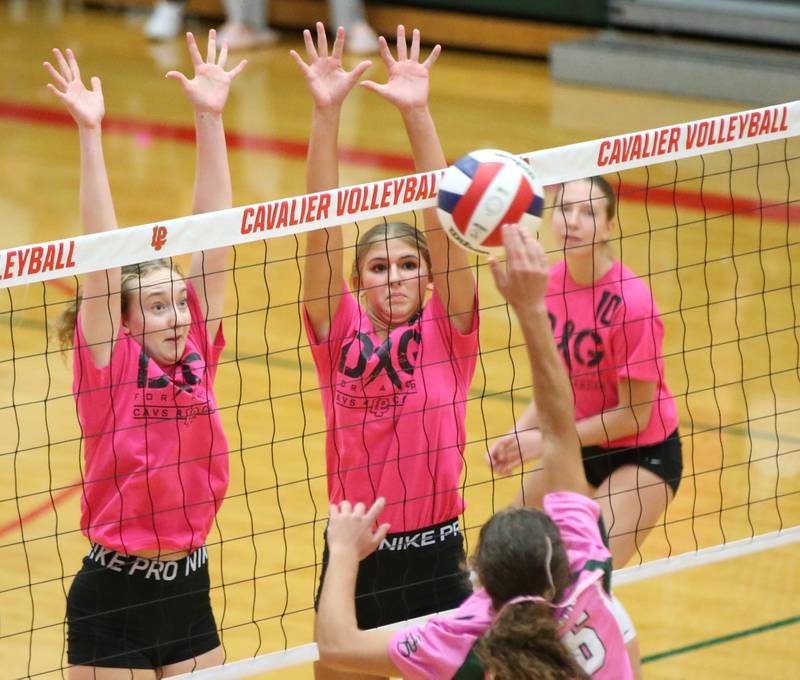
(395, 411)
(606, 333)
(156, 456)
(438, 648)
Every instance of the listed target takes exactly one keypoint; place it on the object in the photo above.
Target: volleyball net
(707, 217)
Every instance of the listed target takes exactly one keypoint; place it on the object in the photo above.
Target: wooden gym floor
(737, 619)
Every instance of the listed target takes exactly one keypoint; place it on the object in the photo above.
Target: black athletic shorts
(664, 459)
(132, 612)
(411, 574)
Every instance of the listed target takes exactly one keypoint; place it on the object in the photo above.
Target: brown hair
(130, 276)
(382, 233)
(601, 183)
(520, 552)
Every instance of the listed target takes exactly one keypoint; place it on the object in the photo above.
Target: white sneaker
(165, 21)
(361, 39)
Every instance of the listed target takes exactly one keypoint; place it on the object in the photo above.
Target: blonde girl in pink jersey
(541, 610)
(146, 346)
(394, 369)
(609, 333)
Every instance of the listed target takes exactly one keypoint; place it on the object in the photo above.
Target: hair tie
(547, 559)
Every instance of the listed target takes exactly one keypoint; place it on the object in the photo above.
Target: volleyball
(484, 190)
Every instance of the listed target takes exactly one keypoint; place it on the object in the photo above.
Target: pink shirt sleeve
(462, 346)
(577, 517)
(198, 332)
(436, 649)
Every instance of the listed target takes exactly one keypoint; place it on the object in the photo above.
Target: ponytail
(523, 642)
(64, 327)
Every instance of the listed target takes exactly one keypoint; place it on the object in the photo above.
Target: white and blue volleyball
(483, 191)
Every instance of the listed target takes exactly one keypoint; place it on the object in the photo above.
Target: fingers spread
(414, 54)
(432, 57)
(236, 70)
(371, 85)
(385, 52)
(322, 40)
(73, 64)
(299, 61)
(62, 65)
(402, 54)
(211, 53)
(194, 52)
(55, 75)
(338, 44)
(311, 50)
(58, 93)
(177, 75)
(359, 70)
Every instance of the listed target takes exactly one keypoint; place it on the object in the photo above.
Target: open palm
(327, 80)
(208, 90)
(408, 84)
(85, 106)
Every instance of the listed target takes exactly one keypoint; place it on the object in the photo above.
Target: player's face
(158, 315)
(393, 278)
(580, 219)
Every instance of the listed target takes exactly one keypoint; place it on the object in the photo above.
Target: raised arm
(523, 284)
(407, 88)
(341, 644)
(100, 307)
(207, 92)
(329, 84)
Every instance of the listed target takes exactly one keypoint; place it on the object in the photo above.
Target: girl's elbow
(641, 417)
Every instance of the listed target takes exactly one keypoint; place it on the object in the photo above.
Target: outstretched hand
(208, 89)
(524, 281)
(350, 528)
(513, 449)
(85, 106)
(408, 84)
(327, 80)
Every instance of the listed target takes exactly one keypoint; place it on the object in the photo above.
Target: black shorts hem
(663, 459)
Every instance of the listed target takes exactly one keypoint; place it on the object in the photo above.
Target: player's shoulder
(561, 504)
(636, 296)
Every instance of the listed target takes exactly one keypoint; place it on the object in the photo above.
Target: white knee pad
(623, 620)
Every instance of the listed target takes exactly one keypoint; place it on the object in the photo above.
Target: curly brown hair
(520, 552)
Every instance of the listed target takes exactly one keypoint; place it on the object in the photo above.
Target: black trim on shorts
(411, 574)
(663, 459)
(125, 611)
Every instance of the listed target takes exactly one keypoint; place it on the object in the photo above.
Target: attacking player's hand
(85, 106)
(524, 281)
(408, 84)
(350, 528)
(208, 89)
(327, 80)
(513, 449)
